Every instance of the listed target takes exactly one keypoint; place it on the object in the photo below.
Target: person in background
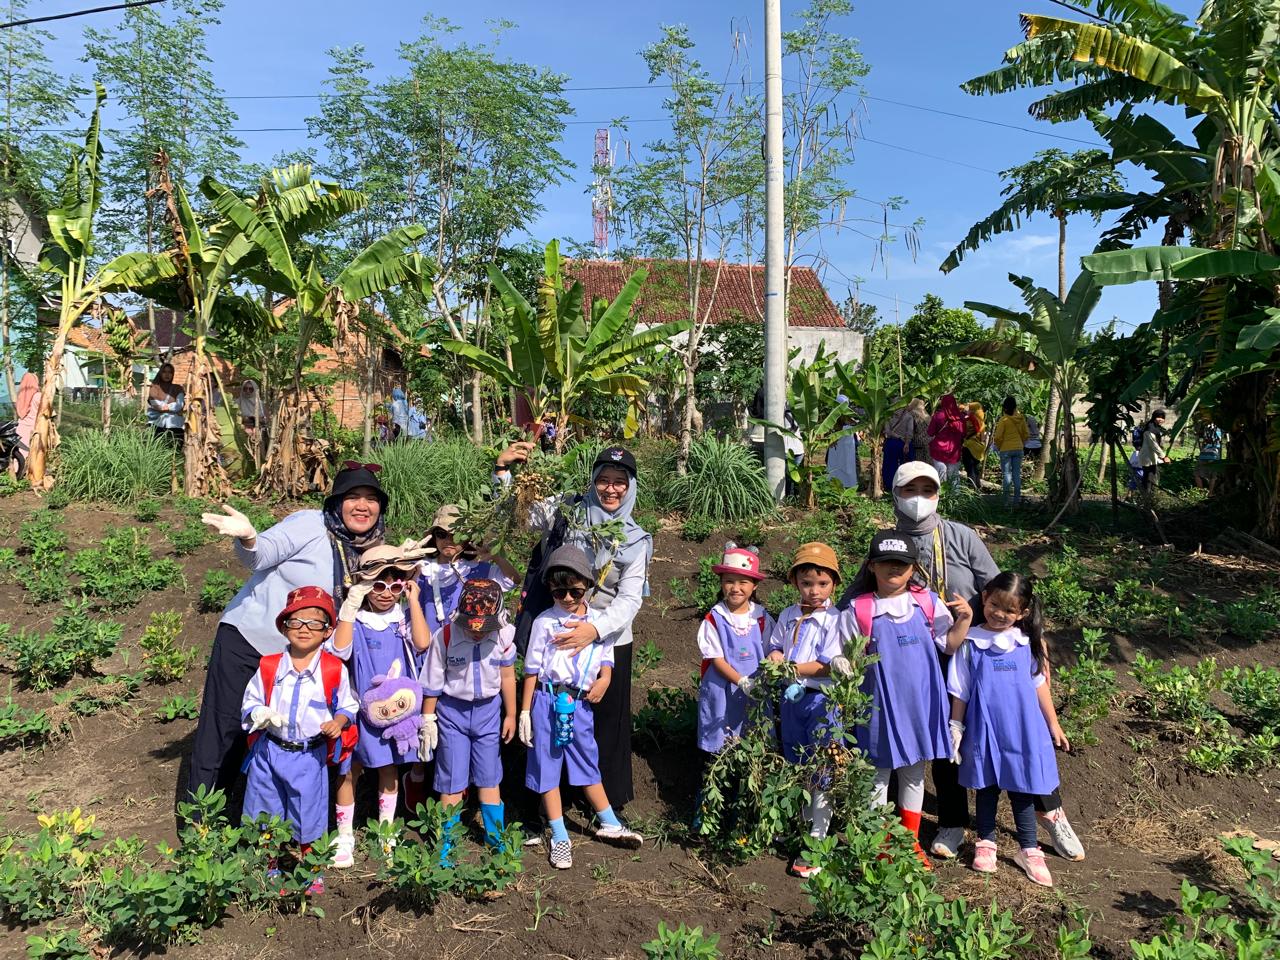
(1010, 440)
(26, 407)
(897, 444)
(1209, 437)
(417, 420)
(399, 414)
(842, 457)
(973, 452)
(253, 416)
(946, 437)
(1152, 454)
(165, 402)
(919, 432)
(1031, 448)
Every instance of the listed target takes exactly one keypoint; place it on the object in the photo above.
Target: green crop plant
(42, 535)
(217, 590)
(163, 661)
(647, 656)
(682, 943)
(705, 591)
(1086, 689)
(122, 467)
(122, 567)
(21, 724)
(178, 707)
(1256, 693)
(189, 537)
(724, 482)
(41, 875)
(669, 717)
(74, 645)
(146, 510)
(1248, 620)
(697, 528)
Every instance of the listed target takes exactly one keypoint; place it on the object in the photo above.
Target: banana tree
(288, 206)
(1052, 336)
(561, 351)
(67, 258)
(874, 392)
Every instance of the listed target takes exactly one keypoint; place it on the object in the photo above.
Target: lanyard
(938, 577)
(436, 597)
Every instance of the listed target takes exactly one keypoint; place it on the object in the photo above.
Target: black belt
(293, 746)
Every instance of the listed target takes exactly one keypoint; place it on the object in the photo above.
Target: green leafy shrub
(163, 661)
(59, 498)
(724, 481)
(705, 590)
(8, 485)
(1248, 620)
(146, 510)
(122, 467)
(42, 535)
(217, 590)
(682, 943)
(1086, 689)
(1256, 693)
(669, 717)
(180, 707)
(74, 645)
(647, 656)
(19, 724)
(189, 537)
(696, 529)
(122, 567)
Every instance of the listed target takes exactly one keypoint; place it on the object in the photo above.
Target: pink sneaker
(984, 856)
(1031, 860)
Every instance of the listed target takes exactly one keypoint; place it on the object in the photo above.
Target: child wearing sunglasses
(556, 702)
(374, 635)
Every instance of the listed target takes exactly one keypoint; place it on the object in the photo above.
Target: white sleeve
(345, 653)
(1038, 680)
(346, 699)
(623, 608)
(709, 640)
(537, 647)
(960, 673)
(504, 582)
(942, 621)
(253, 697)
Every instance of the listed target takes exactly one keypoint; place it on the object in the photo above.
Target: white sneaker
(619, 836)
(947, 843)
(344, 850)
(1061, 837)
(561, 854)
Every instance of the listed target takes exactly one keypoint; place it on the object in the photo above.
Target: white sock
(387, 806)
(880, 787)
(819, 815)
(345, 814)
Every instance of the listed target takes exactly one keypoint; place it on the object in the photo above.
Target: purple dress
(1006, 739)
(373, 651)
(722, 707)
(909, 704)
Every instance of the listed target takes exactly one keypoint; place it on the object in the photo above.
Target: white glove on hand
(957, 735)
(840, 666)
(234, 524)
(428, 736)
(354, 601)
(524, 728)
(745, 684)
(265, 717)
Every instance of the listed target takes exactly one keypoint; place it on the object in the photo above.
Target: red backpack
(331, 677)
(710, 618)
(864, 605)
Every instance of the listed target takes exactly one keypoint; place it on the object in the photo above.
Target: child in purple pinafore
(905, 625)
(377, 638)
(731, 639)
(1003, 724)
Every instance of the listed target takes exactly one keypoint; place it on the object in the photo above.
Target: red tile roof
(739, 295)
(89, 338)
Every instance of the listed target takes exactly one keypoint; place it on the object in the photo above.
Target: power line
(931, 156)
(994, 123)
(79, 13)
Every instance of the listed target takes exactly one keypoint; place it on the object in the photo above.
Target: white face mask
(916, 508)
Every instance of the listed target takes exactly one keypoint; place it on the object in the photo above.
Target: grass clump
(724, 482)
(122, 467)
(420, 477)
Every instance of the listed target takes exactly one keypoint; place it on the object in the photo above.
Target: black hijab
(348, 546)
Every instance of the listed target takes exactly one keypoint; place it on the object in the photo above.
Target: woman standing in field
(165, 402)
(307, 548)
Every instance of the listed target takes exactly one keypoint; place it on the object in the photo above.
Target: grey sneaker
(619, 836)
(947, 843)
(1061, 836)
(561, 854)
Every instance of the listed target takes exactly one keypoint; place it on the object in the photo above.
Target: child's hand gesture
(333, 728)
(1059, 738)
(596, 693)
(412, 590)
(508, 728)
(961, 612)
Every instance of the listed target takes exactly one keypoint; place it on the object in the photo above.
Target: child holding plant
(903, 623)
(1003, 724)
(808, 634)
(731, 638)
(295, 708)
(379, 640)
(557, 702)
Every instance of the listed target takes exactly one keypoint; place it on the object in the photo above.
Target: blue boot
(446, 842)
(492, 814)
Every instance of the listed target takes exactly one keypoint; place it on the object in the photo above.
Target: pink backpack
(864, 605)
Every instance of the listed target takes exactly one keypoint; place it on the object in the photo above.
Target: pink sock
(345, 814)
(387, 806)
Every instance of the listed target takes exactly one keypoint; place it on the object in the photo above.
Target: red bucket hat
(739, 562)
(305, 597)
(479, 606)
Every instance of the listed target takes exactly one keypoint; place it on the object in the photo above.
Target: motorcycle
(9, 448)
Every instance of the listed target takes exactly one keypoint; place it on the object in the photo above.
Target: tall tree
(157, 67)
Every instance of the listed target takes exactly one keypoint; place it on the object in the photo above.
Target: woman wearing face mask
(307, 548)
(953, 559)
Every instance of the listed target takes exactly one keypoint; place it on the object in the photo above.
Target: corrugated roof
(739, 291)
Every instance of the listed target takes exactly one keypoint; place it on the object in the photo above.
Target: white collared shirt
(468, 667)
(551, 664)
(298, 696)
(960, 671)
(805, 638)
(901, 608)
(709, 643)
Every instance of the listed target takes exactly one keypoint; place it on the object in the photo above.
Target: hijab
(348, 546)
(916, 528)
(637, 543)
(170, 389)
(28, 389)
(250, 400)
(918, 411)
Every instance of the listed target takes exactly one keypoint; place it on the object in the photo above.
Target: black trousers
(219, 741)
(972, 468)
(613, 731)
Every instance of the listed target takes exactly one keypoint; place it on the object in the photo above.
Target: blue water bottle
(565, 705)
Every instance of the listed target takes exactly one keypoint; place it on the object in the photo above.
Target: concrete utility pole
(775, 303)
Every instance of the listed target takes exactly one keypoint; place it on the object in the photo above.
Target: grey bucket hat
(569, 557)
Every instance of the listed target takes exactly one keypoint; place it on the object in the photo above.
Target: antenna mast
(602, 197)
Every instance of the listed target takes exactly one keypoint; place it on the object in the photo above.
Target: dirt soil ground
(1147, 821)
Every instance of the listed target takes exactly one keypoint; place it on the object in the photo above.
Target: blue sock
(558, 832)
(608, 817)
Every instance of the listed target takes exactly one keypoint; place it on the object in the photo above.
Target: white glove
(265, 717)
(524, 728)
(234, 524)
(354, 601)
(840, 666)
(957, 735)
(428, 735)
(745, 684)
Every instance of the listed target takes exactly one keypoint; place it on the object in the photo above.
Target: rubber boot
(446, 843)
(911, 820)
(492, 815)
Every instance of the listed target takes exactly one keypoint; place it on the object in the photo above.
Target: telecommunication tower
(602, 197)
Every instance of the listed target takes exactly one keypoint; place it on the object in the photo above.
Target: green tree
(933, 327)
(859, 316)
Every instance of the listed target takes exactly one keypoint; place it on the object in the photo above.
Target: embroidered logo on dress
(1003, 665)
(908, 640)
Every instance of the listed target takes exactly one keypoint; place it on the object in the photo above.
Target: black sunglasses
(573, 593)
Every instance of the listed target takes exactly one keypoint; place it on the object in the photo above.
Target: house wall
(846, 345)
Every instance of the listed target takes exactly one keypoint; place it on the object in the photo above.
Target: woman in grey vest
(622, 570)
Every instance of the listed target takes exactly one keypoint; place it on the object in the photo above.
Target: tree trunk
(6, 345)
(44, 436)
(877, 466)
(1062, 254)
(366, 447)
(1115, 484)
(1102, 462)
(477, 414)
(686, 417)
(106, 401)
(1048, 434)
(203, 474)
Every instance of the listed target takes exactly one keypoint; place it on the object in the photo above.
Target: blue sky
(919, 52)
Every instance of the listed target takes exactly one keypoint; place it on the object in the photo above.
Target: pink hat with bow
(739, 561)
